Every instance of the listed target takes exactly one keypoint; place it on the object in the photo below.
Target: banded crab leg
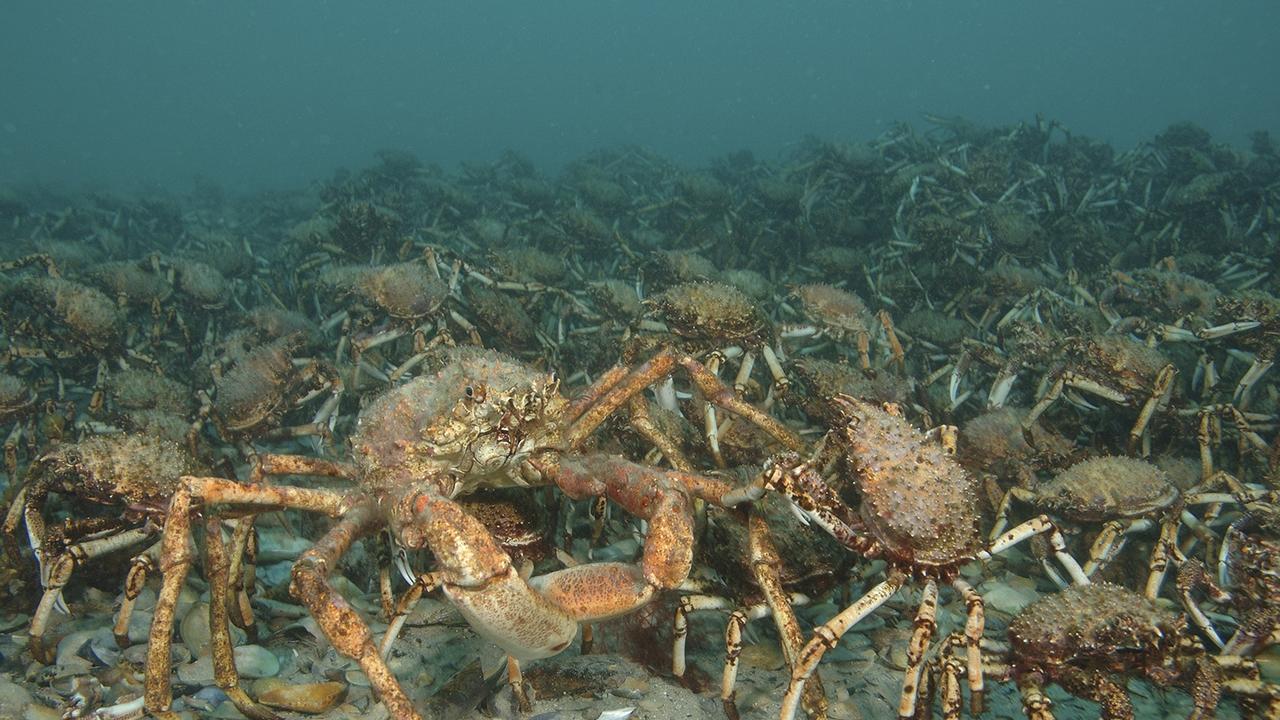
(176, 558)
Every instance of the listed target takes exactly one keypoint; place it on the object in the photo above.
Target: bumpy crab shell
(134, 469)
(916, 499)
(15, 395)
(710, 311)
(1108, 487)
(403, 290)
(840, 311)
(471, 424)
(1093, 625)
(90, 315)
(1122, 360)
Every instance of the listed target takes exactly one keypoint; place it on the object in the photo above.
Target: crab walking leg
(688, 605)
(975, 625)
(658, 367)
(1035, 704)
(711, 428)
(723, 397)
(275, 464)
(1159, 564)
(827, 635)
(895, 345)
(737, 622)
(1191, 575)
(1250, 378)
(422, 584)
(60, 573)
(1039, 526)
(225, 675)
(243, 574)
(608, 401)
(595, 391)
(642, 421)
(780, 379)
(175, 558)
(142, 565)
(765, 562)
(340, 623)
(925, 624)
(1159, 397)
(745, 366)
(1110, 541)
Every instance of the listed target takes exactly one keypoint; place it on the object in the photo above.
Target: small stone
(252, 661)
(36, 711)
(194, 629)
(357, 678)
(765, 656)
(633, 688)
(844, 710)
(306, 698)
(13, 698)
(255, 661)
(199, 672)
(892, 644)
(1006, 598)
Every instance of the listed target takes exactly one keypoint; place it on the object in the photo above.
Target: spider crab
(481, 420)
(920, 513)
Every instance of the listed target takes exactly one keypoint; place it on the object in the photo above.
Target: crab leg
(765, 564)
(226, 677)
(975, 625)
(642, 421)
(60, 574)
(688, 605)
(1250, 378)
(827, 636)
(422, 584)
(345, 628)
(1038, 526)
(1110, 541)
(1035, 704)
(142, 564)
(925, 625)
(1159, 397)
(659, 367)
(242, 573)
(175, 557)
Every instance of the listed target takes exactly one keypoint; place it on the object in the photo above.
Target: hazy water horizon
(271, 95)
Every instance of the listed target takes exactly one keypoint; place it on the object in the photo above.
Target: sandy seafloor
(443, 664)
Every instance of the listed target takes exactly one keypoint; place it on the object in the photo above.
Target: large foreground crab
(481, 420)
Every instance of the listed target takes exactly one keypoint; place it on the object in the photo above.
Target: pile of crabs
(860, 386)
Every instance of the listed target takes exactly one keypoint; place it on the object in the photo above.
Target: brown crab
(919, 512)
(18, 403)
(134, 473)
(718, 320)
(1118, 369)
(1088, 639)
(481, 420)
(1127, 496)
(382, 303)
(829, 311)
(259, 386)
